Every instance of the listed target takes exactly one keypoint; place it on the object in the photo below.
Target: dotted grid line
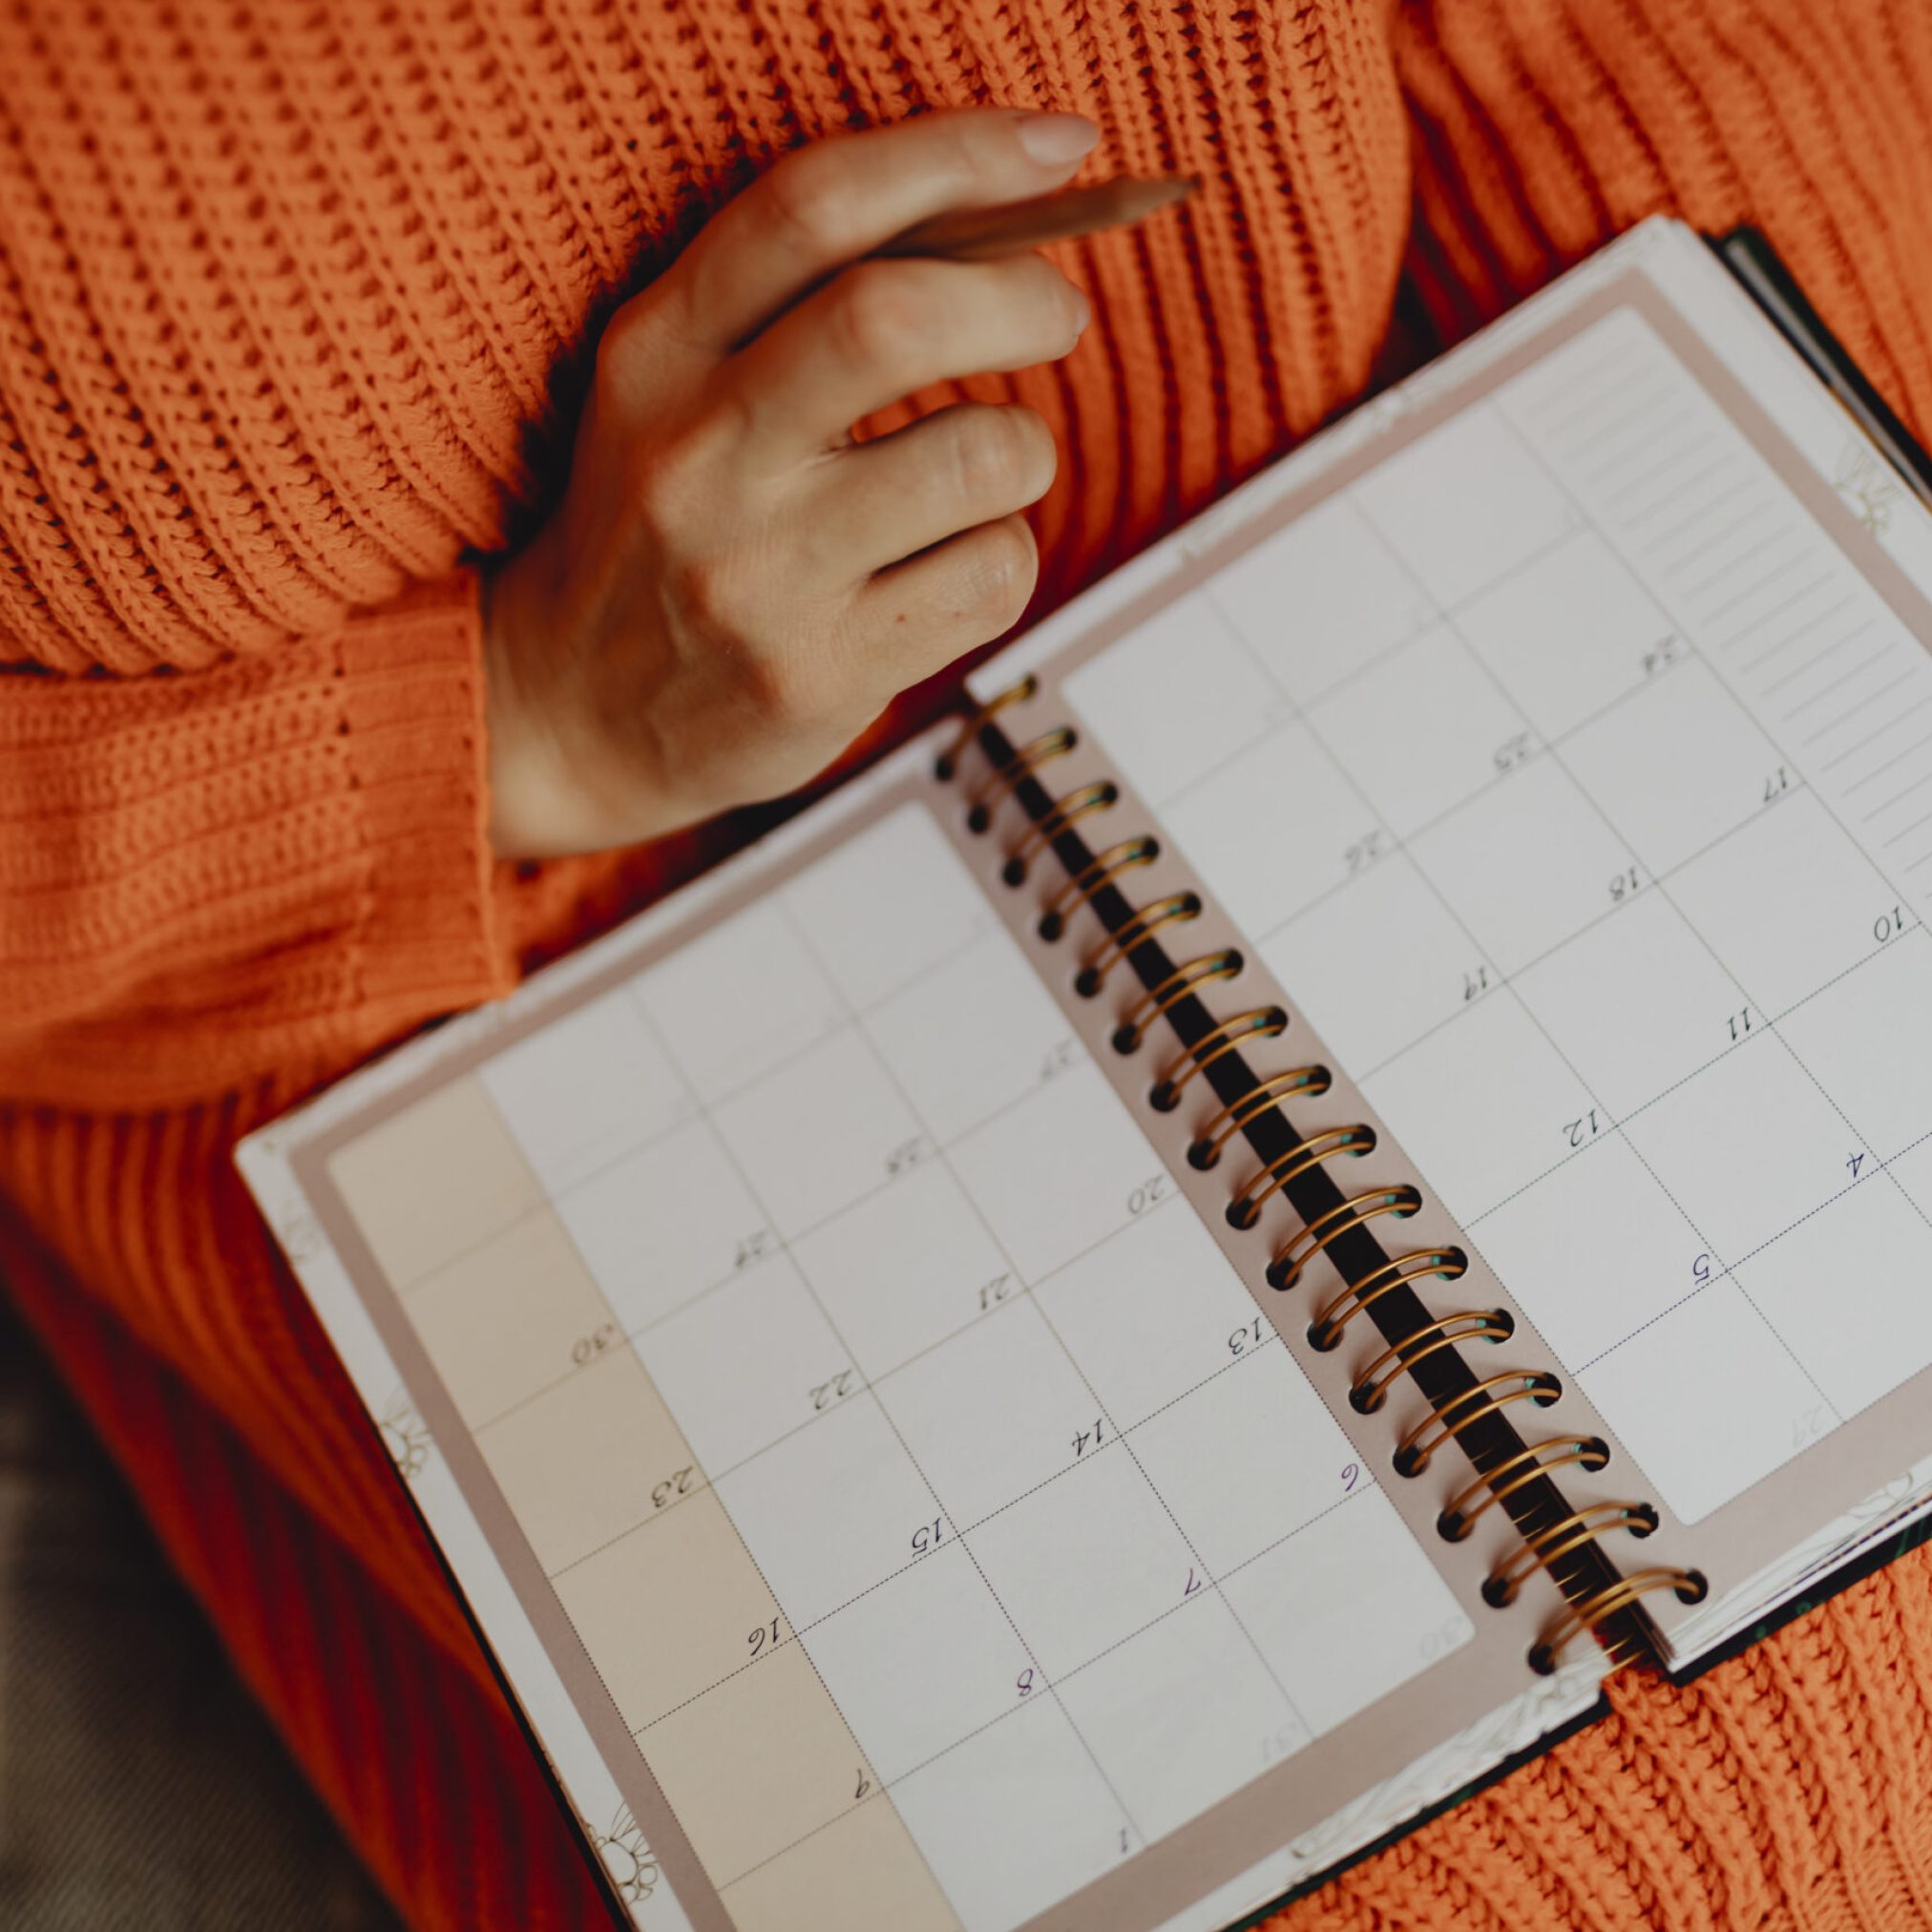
(1013, 1711)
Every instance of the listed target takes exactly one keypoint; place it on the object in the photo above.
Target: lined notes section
(1786, 621)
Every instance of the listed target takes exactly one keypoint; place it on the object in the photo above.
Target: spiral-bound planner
(1168, 1278)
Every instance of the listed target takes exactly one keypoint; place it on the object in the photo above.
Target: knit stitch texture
(295, 302)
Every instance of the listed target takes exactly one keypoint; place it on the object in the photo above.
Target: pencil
(977, 234)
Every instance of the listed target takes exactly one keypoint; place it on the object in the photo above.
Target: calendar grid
(1658, 880)
(874, 1384)
(736, 1272)
(1118, 1438)
(1366, 1486)
(1504, 981)
(1341, 1502)
(1682, 1081)
(1500, 981)
(667, 1483)
(1640, 521)
(1041, 1283)
(1448, 813)
(681, 1122)
(1615, 1128)
(1046, 1680)
(656, 1520)
(937, 1198)
(1862, 1140)
(1887, 1164)
(1118, 1435)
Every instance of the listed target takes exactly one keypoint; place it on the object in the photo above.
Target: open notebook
(1106, 1319)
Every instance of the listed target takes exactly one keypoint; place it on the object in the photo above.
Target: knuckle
(810, 199)
(879, 313)
(626, 350)
(680, 475)
(661, 484)
(1061, 307)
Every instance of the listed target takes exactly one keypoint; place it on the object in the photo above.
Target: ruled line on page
(1811, 663)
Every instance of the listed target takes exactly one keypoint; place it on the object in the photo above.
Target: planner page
(1565, 749)
(890, 1502)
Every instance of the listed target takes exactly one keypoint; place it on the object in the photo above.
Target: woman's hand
(731, 589)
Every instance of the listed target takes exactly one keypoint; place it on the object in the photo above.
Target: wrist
(517, 761)
(558, 783)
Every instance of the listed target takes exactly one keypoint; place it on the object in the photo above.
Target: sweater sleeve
(212, 877)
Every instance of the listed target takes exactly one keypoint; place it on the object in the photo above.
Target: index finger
(836, 199)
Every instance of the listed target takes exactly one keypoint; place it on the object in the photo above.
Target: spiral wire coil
(1448, 1419)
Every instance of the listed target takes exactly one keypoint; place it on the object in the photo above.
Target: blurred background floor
(139, 1786)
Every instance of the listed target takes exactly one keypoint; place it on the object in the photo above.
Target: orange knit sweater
(294, 302)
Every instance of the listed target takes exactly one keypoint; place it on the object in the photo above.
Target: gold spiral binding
(1100, 795)
(1690, 1587)
(1367, 1393)
(1370, 1389)
(1285, 1268)
(1332, 1143)
(1325, 1331)
(1224, 964)
(1091, 879)
(1017, 693)
(1581, 1526)
(1516, 1472)
(1418, 1448)
(1259, 1023)
(1176, 909)
(1022, 765)
(1204, 1150)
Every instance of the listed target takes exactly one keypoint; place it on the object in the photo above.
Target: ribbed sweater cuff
(270, 867)
(428, 937)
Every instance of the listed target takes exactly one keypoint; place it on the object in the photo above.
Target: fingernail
(1083, 311)
(1054, 139)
